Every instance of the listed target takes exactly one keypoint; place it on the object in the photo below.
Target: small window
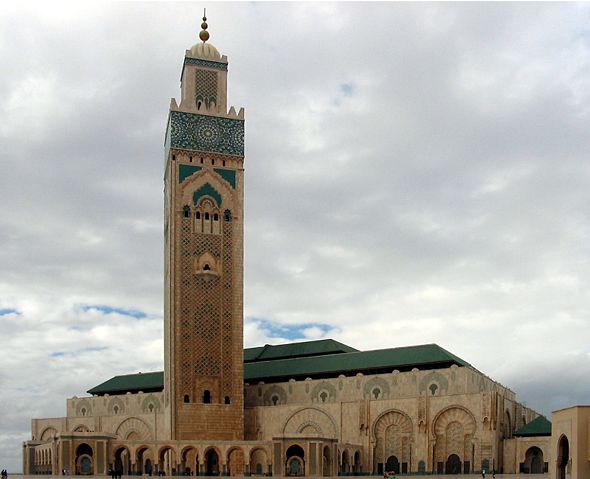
(215, 217)
(206, 216)
(324, 396)
(227, 215)
(207, 396)
(116, 409)
(186, 398)
(433, 387)
(83, 411)
(186, 211)
(151, 407)
(190, 158)
(201, 161)
(173, 157)
(206, 267)
(198, 215)
(226, 400)
(213, 162)
(223, 162)
(274, 399)
(376, 393)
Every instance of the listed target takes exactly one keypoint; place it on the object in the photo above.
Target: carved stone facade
(335, 425)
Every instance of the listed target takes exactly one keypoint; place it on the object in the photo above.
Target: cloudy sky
(415, 173)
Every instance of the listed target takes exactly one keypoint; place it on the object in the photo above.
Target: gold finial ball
(204, 25)
(204, 36)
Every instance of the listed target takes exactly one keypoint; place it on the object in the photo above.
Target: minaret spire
(204, 35)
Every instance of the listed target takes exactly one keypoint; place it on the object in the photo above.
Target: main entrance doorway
(453, 465)
(392, 465)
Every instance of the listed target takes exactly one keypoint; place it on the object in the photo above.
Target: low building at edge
(318, 408)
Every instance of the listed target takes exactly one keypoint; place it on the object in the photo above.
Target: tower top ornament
(204, 34)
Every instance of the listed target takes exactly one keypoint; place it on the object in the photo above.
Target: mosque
(316, 408)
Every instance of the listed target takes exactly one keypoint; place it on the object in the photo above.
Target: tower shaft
(203, 305)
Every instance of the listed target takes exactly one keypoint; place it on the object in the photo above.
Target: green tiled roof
(539, 426)
(146, 382)
(428, 356)
(314, 359)
(294, 350)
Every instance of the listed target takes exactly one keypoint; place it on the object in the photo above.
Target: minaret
(204, 210)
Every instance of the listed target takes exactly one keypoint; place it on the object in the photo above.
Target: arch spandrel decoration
(207, 190)
(152, 401)
(135, 427)
(323, 392)
(48, 433)
(453, 414)
(275, 395)
(311, 419)
(389, 418)
(433, 381)
(376, 388)
(116, 406)
(205, 183)
(83, 408)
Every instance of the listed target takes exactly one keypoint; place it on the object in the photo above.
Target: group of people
(483, 473)
(4, 474)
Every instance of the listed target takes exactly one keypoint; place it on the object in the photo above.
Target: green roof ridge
(380, 359)
(298, 349)
(540, 426)
(130, 382)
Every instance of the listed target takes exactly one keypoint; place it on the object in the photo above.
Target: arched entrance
(357, 462)
(533, 461)
(392, 465)
(453, 465)
(190, 462)
(295, 464)
(84, 462)
(167, 461)
(144, 461)
(212, 463)
(327, 463)
(235, 462)
(258, 462)
(345, 463)
(454, 429)
(563, 457)
(393, 438)
(122, 464)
